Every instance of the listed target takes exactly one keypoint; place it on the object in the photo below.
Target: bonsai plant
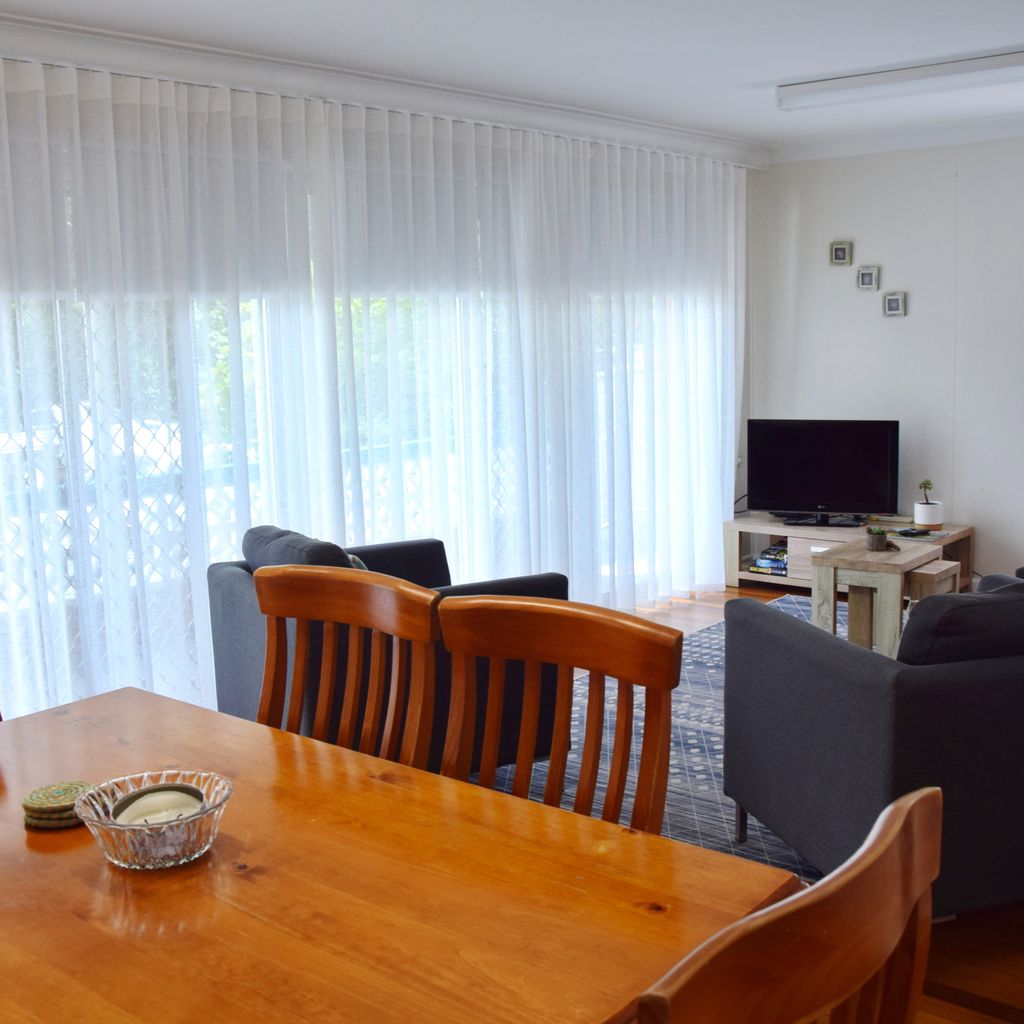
(928, 512)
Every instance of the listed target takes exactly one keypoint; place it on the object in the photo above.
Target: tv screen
(818, 469)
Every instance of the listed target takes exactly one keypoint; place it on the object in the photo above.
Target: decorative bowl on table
(155, 819)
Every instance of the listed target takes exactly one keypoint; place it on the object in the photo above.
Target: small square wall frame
(867, 278)
(840, 253)
(894, 304)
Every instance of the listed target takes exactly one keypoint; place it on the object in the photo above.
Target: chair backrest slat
(851, 949)
(652, 777)
(389, 745)
(420, 714)
(275, 671)
(560, 738)
(328, 681)
(355, 659)
(492, 723)
(387, 707)
(376, 694)
(527, 729)
(593, 735)
(621, 749)
(541, 633)
(867, 1003)
(459, 738)
(300, 666)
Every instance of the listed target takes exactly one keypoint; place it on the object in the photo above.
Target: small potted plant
(877, 538)
(927, 513)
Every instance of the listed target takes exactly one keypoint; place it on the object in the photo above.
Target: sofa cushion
(422, 562)
(270, 545)
(964, 627)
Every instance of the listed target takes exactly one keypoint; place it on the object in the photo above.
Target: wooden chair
(568, 635)
(389, 709)
(851, 949)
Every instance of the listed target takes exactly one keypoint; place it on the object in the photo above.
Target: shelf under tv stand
(803, 541)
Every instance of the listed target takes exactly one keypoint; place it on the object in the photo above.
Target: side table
(756, 529)
(876, 582)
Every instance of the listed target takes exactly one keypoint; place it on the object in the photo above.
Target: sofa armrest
(998, 581)
(239, 634)
(958, 726)
(808, 730)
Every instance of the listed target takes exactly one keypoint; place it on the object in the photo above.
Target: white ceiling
(699, 65)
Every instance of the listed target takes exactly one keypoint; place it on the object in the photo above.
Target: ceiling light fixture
(963, 73)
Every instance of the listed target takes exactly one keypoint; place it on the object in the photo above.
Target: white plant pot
(928, 513)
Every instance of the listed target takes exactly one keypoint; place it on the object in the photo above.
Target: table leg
(961, 551)
(823, 597)
(732, 557)
(861, 610)
(888, 618)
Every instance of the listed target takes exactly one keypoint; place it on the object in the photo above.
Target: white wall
(947, 227)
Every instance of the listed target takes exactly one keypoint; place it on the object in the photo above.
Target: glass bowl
(163, 844)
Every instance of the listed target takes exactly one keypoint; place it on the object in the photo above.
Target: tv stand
(751, 531)
(819, 519)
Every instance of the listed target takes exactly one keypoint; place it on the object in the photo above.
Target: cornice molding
(35, 39)
(937, 136)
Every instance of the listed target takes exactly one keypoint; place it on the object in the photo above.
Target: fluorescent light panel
(966, 73)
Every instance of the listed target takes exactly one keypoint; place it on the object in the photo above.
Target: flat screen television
(823, 471)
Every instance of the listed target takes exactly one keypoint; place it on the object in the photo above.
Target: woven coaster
(51, 815)
(54, 799)
(32, 822)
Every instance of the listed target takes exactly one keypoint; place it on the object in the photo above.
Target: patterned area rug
(697, 811)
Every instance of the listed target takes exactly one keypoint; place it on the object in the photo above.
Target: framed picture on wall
(868, 277)
(894, 303)
(840, 253)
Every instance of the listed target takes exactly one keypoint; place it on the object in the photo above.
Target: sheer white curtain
(222, 308)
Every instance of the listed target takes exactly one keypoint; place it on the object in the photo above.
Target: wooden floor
(976, 968)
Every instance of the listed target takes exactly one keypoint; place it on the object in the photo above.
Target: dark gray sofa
(820, 734)
(239, 628)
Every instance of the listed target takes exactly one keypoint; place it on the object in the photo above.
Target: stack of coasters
(54, 806)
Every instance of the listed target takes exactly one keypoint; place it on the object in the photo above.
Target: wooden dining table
(340, 887)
